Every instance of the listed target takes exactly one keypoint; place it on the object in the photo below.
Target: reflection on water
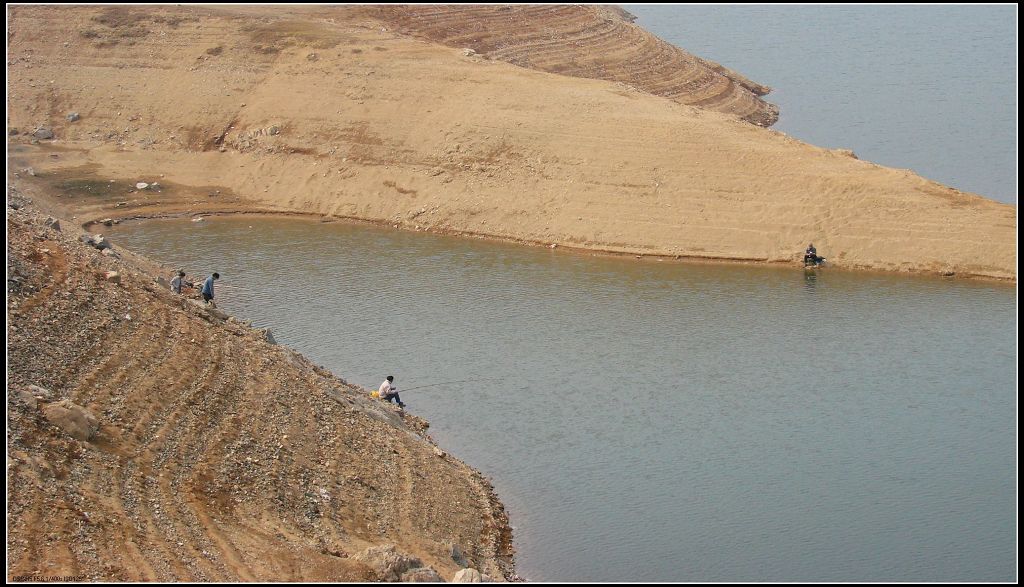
(810, 279)
(649, 421)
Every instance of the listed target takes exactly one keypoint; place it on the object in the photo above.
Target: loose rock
(100, 243)
(27, 399)
(387, 562)
(467, 576)
(40, 392)
(77, 421)
(422, 575)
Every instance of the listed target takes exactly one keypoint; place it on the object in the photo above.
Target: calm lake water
(648, 421)
(929, 88)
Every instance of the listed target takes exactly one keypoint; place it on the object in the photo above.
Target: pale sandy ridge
(598, 42)
(332, 112)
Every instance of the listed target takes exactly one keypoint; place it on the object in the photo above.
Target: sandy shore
(335, 113)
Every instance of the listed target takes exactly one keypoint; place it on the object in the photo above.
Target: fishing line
(448, 383)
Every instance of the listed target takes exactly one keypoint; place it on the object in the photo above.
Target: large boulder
(387, 562)
(467, 576)
(72, 418)
(422, 575)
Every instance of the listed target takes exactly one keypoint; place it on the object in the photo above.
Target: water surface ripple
(649, 421)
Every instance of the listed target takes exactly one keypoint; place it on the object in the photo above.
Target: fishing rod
(447, 383)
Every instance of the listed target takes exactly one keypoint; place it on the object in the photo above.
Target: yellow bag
(375, 394)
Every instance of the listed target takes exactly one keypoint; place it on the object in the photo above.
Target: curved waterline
(662, 421)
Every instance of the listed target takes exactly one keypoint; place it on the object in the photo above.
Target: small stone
(113, 276)
(73, 117)
(40, 392)
(43, 134)
(141, 185)
(27, 399)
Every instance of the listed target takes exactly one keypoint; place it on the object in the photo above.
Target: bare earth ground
(337, 111)
(219, 456)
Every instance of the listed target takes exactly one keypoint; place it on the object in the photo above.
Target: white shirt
(385, 388)
(176, 284)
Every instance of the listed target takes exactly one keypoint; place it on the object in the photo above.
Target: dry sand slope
(341, 111)
(214, 455)
(598, 42)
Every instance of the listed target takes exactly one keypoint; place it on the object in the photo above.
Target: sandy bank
(337, 114)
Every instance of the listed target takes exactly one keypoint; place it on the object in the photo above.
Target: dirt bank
(350, 112)
(151, 440)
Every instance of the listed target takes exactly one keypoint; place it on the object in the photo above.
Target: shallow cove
(656, 421)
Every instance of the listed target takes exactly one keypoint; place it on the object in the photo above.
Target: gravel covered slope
(212, 455)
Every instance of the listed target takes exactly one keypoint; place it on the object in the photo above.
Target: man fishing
(811, 256)
(389, 392)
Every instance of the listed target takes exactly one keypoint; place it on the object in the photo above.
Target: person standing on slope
(207, 292)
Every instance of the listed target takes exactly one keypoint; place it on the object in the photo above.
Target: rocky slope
(358, 112)
(149, 439)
